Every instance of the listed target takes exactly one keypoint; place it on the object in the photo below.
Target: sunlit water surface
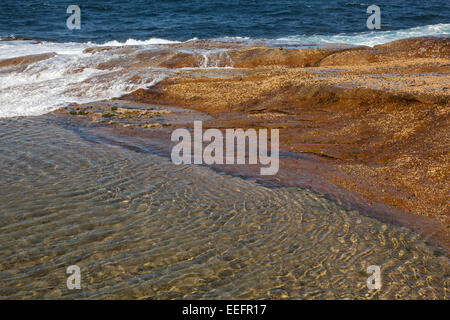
(141, 227)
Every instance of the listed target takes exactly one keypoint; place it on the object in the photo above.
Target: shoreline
(357, 118)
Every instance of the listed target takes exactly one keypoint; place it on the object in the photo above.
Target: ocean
(182, 20)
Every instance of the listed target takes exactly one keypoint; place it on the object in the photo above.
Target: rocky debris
(110, 113)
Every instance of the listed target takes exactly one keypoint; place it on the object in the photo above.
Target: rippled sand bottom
(140, 227)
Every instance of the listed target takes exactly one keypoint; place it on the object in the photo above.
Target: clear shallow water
(140, 227)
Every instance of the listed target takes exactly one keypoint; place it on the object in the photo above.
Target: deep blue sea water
(182, 19)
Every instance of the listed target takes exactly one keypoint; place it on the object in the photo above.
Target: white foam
(372, 38)
(133, 42)
(12, 49)
(71, 76)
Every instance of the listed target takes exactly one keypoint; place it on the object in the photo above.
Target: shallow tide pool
(140, 227)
